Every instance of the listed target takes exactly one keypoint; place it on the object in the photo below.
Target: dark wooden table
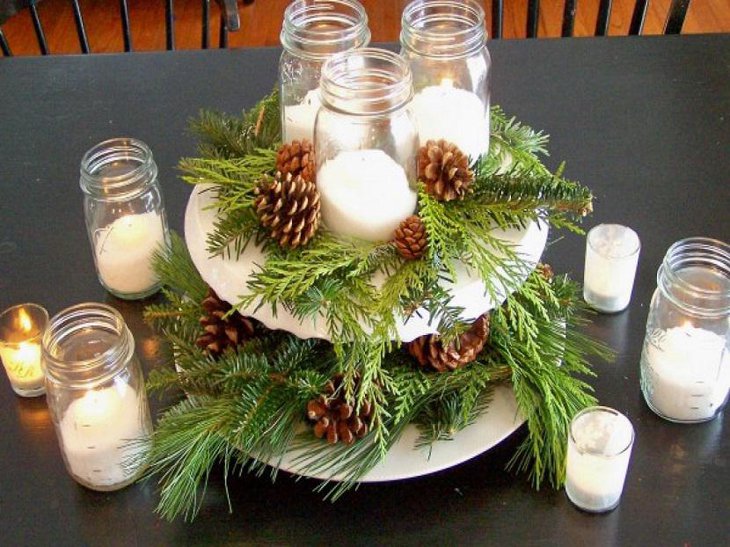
(643, 121)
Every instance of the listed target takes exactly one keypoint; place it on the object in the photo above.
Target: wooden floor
(261, 22)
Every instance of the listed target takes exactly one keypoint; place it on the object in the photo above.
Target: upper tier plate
(228, 276)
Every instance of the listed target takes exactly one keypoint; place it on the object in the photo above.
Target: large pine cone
(335, 418)
(222, 331)
(430, 352)
(297, 158)
(445, 170)
(289, 207)
(410, 238)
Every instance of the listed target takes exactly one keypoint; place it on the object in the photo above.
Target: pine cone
(289, 207)
(546, 271)
(221, 331)
(430, 352)
(445, 170)
(297, 158)
(335, 418)
(410, 238)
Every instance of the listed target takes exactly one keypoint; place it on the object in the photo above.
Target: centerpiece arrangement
(332, 295)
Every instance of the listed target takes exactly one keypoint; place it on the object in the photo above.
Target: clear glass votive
(21, 330)
(599, 448)
(612, 253)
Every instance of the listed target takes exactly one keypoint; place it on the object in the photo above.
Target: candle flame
(24, 320)
(447, 82)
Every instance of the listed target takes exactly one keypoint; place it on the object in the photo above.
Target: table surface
(642, 121)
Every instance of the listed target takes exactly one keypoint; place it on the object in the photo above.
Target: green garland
(250, 402)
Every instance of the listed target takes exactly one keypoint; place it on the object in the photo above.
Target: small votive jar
(125, 215)
(612, 253)
(21, 331)
(444, 42)
(366, 144)
(599, 448)
(313, 31)
(685, 360)
(96, 396)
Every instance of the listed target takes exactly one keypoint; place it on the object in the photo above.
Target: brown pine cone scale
(297, 158)
(221, 329)
(334, 418)
(410, 238)
(431, 353)
(444, 169)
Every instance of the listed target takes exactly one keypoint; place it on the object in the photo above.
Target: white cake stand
(229, 277)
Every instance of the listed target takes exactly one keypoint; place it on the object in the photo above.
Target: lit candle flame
(447, 82)
(24, 320)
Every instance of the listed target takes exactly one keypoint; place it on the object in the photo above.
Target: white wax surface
(95, 434)
(598, 460)
(124, 252)
(610, 265)
(453, 114)
(686, 372)
(23, 365)
(364, 194)
(299, 119)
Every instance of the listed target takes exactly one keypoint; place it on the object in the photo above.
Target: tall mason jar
(96, 396)
(125, 215)
(313, 31)
(685, 361)
(444, 41)
(366, 144)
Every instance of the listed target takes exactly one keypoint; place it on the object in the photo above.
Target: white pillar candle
(456, 115)
(299, 119)
(686, 373)
(599, 449)
(612, 253)
(23, 365)
(100, 434)
(124, 252)
(364, 194)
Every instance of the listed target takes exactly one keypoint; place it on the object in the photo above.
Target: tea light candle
(299, 119)
(456, 115)
(612, 253)
(21, 328)
(364, 194)
(686, 373)
(99, 434)
(124, 252)
(599, 449)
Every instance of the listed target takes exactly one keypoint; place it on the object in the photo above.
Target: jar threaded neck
(117, 169)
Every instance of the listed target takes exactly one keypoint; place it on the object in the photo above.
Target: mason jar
(96, 396)
(366, 144)
(125, 215)
(685, 360)
(444, 41)
(313, 31)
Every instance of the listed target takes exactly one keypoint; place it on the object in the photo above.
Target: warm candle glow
(97, 407)
(26, 324)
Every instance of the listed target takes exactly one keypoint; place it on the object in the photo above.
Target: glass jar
(444, 41)
(366, 144)
(313, 31)
(685, 361)
(125, 215)
(96, 396)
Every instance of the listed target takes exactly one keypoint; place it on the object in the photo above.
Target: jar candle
(599, 448)
(313, 31)
(21, 330)
(612, 254)
(685, 360)
(366, 144)
(96, 396)
(125, 215)
(444, 41)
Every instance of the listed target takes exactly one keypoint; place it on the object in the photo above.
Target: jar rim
(102, 154)
(704, 252)
(303, 33)
(98, 368)
(606, 410)
(422, 31)
(39, 322)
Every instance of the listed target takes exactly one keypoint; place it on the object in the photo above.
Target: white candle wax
(299, 119)
(96, 434)
(598, 457)
(612, 253)
(364, 194)
(685, 373)
(453, 114)
(23, 365)
(124, 252)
